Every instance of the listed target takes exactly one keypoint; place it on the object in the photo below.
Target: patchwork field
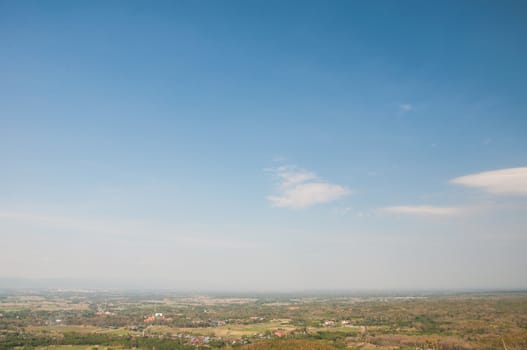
(88, 320)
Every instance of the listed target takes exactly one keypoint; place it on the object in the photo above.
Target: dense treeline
(13, 340)
(289, 344)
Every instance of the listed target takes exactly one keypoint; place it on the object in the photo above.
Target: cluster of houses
(332, 323)
(194, 339)
(158, 316)
(280, 333)
(199, 340)
(102, 312)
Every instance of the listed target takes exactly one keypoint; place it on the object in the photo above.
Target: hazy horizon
(264, 145)
(21, 285)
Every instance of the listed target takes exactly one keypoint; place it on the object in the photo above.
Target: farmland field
(87, 320)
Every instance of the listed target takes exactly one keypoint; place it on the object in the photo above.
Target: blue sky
(193, 142)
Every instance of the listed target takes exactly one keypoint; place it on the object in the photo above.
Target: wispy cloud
(290, 176)
(130, 230)
(511, 181)
(299, 188)
(425, 210)
(66, 223)
(405, 107)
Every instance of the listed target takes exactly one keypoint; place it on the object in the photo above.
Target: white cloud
(299, 188)
(511, 181)
(424, 210)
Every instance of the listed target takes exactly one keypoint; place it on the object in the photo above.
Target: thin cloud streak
(66, 223)
(424, 210)
(291, 177)
(406, 107)
(511, 181)
(299, 188)
(130, 231)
